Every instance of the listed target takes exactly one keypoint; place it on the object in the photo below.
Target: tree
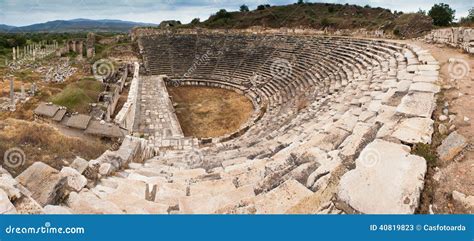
(469, 19)
(470, 16)
(262, 7)
(442, 14)
(244, 8)
(421, 11)
(195, 21)
(300, 2)
(222, 14)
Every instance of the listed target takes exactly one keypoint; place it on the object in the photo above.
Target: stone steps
(363, 97)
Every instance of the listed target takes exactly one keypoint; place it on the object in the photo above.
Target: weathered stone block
(44, 182)
(451, 146)
(387, 179)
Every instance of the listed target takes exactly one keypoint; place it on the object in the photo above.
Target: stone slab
(386, 180)
(44, 182)
(414, 130)
(417, 104)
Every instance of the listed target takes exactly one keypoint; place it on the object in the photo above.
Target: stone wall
(125, 118)
(141, 32)
(456, 37)
(115, 92)
(250, 94)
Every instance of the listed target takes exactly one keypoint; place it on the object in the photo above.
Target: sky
(26, 12)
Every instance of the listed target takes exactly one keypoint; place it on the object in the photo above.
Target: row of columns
(33, 50)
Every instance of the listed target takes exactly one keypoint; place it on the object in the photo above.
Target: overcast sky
(25, 12)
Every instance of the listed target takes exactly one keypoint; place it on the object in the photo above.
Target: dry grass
(40, 142)
(210, 112)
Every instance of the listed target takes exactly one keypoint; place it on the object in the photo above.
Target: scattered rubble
(451, 146)
(59, 73)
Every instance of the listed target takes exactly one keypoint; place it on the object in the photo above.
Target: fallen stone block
(75, 181)
(6, 207)
(451, 146)
(45, 183)
(9, 185)
(466, 201)
(80, 164)
(105, 169)
(387, 179)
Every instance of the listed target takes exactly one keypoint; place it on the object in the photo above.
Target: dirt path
(457, 80)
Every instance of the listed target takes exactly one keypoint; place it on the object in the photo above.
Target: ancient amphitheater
(334, 122)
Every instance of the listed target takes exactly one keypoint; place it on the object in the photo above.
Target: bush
(195, 21)
(396, 32)
(331, 9)
(470, 17)
(442, 14)
(222, 14)
(325, 22)
(244, 8)
(263, 7)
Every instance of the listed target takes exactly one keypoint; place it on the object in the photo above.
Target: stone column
(12, 92)
(79, 49)
(33, 89)
(23, 95)
(14, 54)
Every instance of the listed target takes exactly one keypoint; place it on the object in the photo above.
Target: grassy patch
(77, 96)
(426, 151)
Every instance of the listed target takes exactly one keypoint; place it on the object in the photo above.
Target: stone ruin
(80, 46)
(30, 53)
(58, 73)
(369, 102)
(108, 99)
(9, 103)
(462, 38)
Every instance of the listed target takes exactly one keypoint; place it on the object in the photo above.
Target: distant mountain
(5, 28)
(78, 25)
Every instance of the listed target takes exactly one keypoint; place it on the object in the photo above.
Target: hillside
(79, 25)
(5, 28)
(320, 16)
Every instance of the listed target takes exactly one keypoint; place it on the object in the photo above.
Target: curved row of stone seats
(367, 103)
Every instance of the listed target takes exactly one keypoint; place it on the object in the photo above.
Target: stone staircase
(368, 103)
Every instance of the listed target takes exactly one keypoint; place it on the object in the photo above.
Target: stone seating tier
(362, 100)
